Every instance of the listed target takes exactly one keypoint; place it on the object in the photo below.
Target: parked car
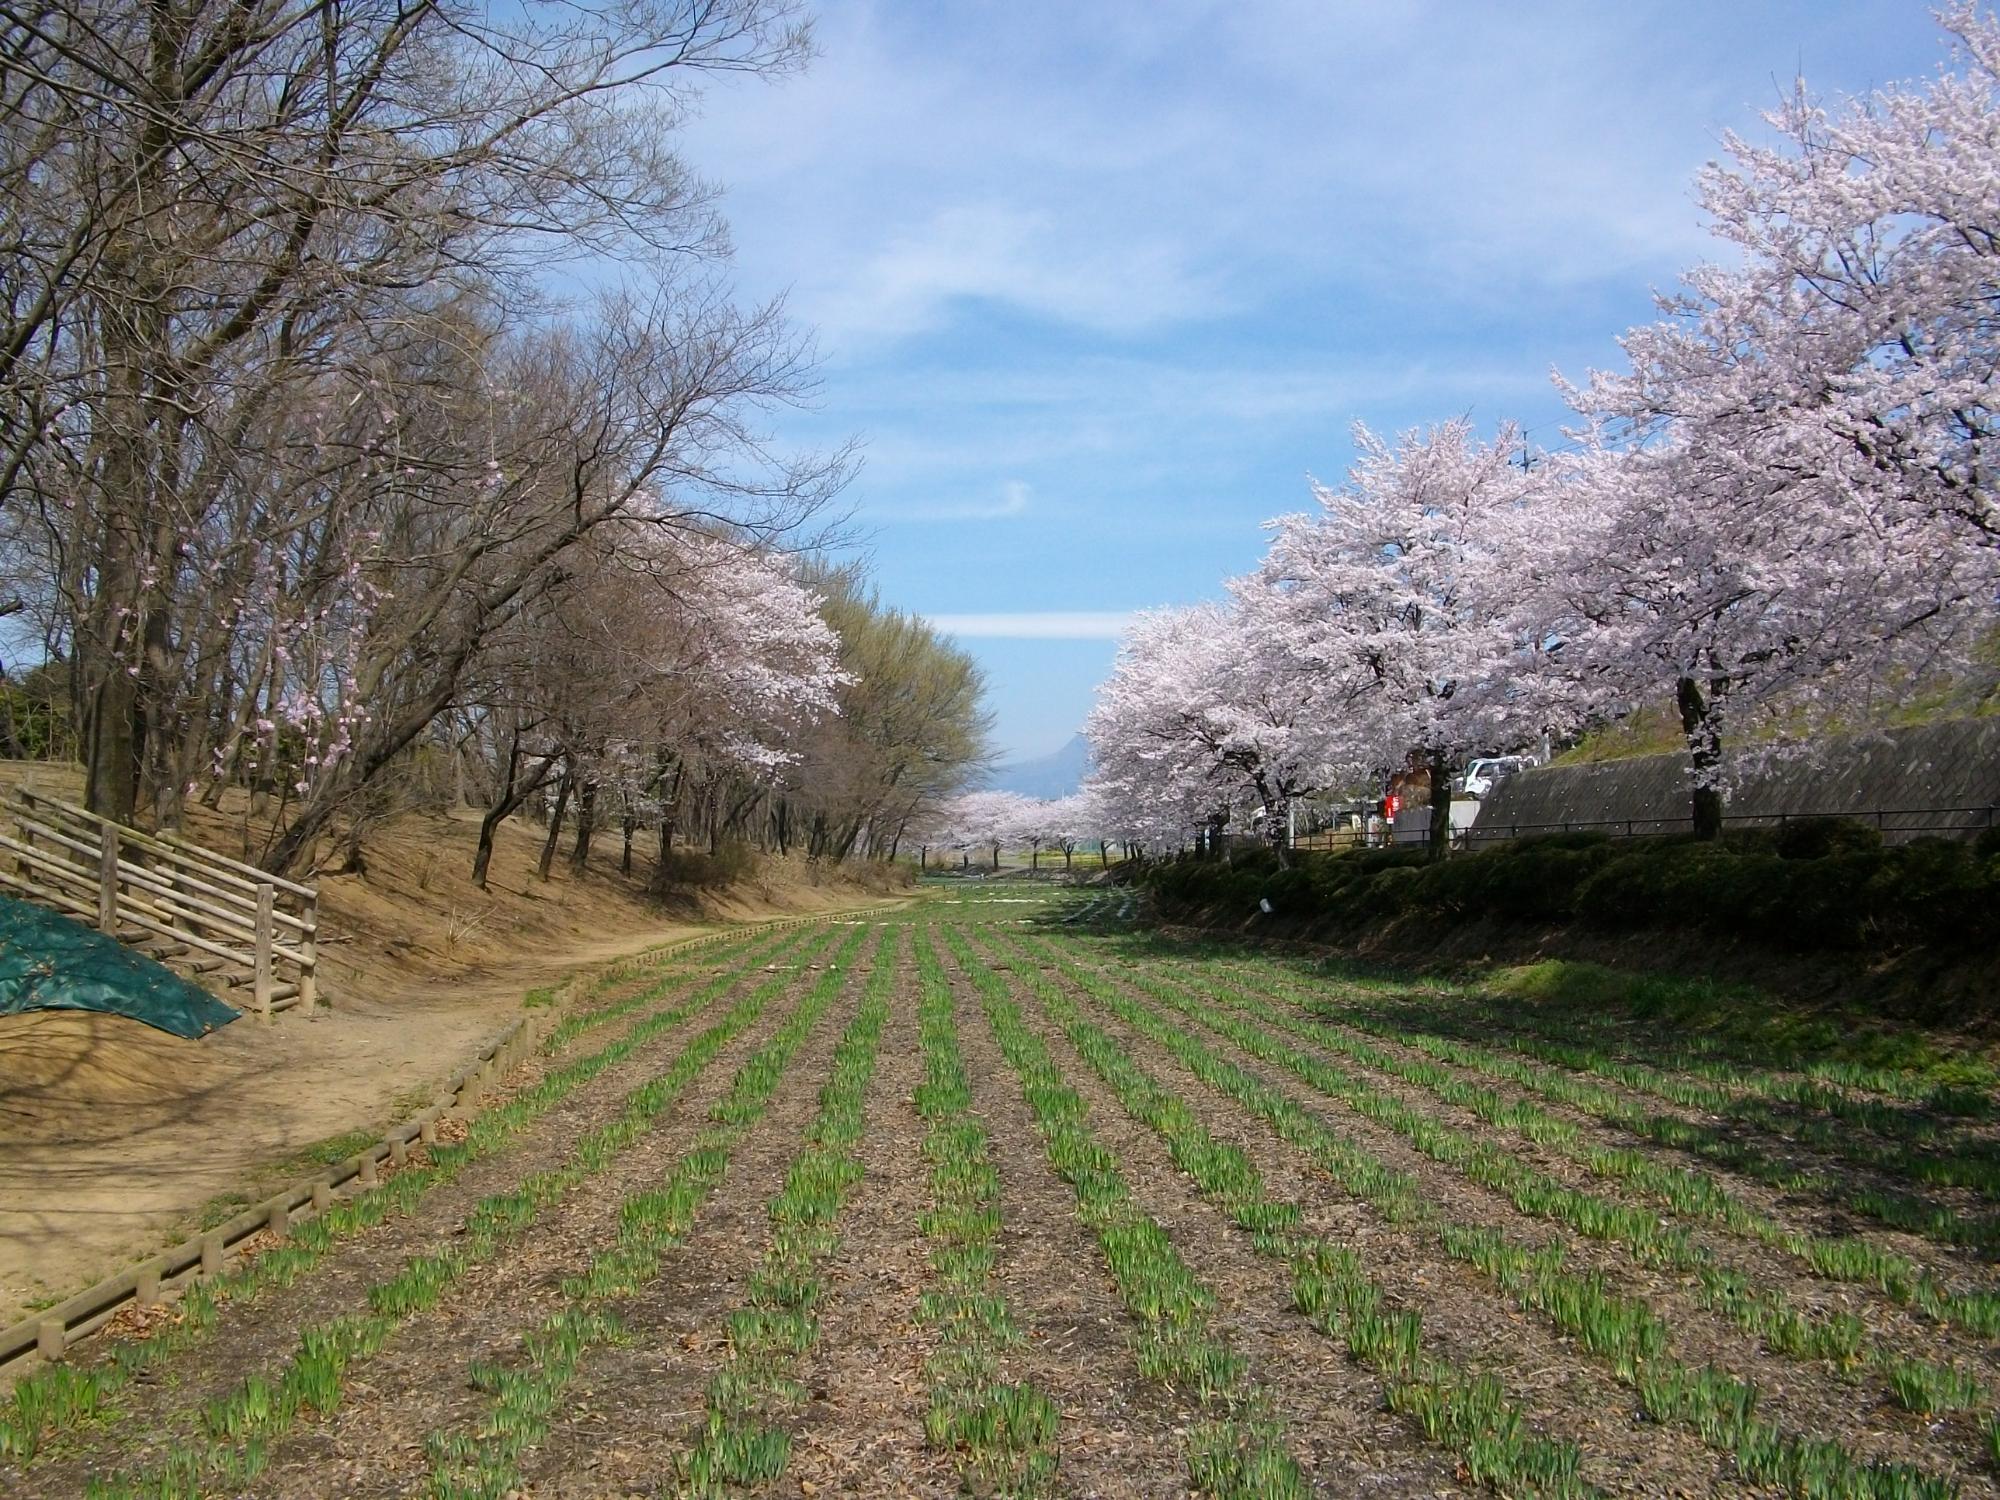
(1482, 775)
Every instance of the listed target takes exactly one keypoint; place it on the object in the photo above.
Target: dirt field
(999, 1196)
(118, 1138)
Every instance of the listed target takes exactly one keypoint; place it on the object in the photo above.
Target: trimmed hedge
(1809, 886)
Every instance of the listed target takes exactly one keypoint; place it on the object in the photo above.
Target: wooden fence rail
(206, 913)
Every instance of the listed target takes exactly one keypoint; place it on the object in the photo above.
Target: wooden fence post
(261, 983)
(309, 954)
(107, 876)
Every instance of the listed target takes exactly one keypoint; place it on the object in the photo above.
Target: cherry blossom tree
(992, 820)
(1793, 482)
(1394, 601)
(1206, 718)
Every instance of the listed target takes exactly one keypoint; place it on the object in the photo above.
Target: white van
(1481, 776)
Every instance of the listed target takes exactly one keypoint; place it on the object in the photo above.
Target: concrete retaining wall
(1931, 778)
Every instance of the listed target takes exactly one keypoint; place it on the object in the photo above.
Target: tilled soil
(861, 1431)
(1333, 1406)
(1806, 1398)
(636, 1403)
(857, 1426)
(1781, 1146)
(259, 1333)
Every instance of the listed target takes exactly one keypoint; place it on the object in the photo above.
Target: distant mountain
(1048, 776)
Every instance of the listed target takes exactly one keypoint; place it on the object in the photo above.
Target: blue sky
(1098, 286)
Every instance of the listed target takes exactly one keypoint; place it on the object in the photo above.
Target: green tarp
(48, 962)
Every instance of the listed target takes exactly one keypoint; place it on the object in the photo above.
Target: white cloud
(1123, 168)
(1010, 500)
(1038, 625)
(1022, 257)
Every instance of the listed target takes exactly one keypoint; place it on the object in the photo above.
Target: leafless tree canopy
(305, 452)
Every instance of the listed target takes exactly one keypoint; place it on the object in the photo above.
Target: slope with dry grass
(120, 1137)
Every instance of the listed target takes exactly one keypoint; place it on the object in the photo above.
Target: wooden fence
(180, 903)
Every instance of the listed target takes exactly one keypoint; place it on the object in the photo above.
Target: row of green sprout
(1622, 1331)
(236, 1429)
(1765, 1313)
(1471, 1415)
(1688, 1192)
(1564, 1074)
(1921, 1151)
(744, 1438)
(1001, 1434)
(483, 1463)
(62, 1397)
(1238, 1450)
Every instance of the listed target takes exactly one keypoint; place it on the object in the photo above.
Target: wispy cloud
(1038, 625)
(1098, 286)
(1009, 501)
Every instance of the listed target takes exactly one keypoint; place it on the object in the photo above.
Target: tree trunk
(1704, 756)
(512, 795)
(586, 825)
(1440, 832)
(631, 826)
(669, 811)
(555, 824)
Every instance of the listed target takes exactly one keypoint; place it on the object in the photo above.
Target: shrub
(1290, 892)
(1573, 839)
(1543, 884)
(732, 862)
(1820, 838)
(1765, 887)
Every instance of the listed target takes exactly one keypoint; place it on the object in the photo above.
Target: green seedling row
(1764, 1062)
(1240, 1452)
(1922, 1149)
(238, 1426)
(731, 956)
(1766, 1314)
(1907, 1211)
(1844, 1258)
(1468, 1414)
(62, 1397)
(1690, 1193)
(743, 1440)
(1622, 1331)
(1002, 1435)
(484, 1464)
